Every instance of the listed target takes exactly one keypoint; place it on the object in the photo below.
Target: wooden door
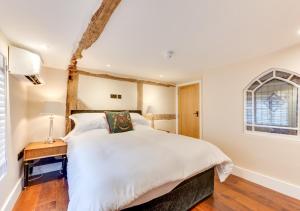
(188, 110)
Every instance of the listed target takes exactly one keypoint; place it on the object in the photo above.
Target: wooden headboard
(99, 111)
(102, 111)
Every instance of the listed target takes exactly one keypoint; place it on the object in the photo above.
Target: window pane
(249, 109)
(266, 77)
(276, 104)
(282, 74)
(254, 85)
(296, 79)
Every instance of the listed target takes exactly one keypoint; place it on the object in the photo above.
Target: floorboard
(234, 194)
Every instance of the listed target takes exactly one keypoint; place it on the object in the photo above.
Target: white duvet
(111, 171)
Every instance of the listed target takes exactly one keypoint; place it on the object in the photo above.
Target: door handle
(196, 114)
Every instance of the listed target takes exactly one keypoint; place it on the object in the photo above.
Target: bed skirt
(183, 197)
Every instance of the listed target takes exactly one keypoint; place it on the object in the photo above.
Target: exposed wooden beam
(160, 116)
(91, 34)
(72, 90)
(96, 26)
(140, 92)
(108, 76)
(157, 83)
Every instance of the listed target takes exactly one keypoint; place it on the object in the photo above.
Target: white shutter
(2, 117)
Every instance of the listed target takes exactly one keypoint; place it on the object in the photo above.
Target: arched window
(271, 103)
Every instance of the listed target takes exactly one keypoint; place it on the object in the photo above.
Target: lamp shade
(51, 108)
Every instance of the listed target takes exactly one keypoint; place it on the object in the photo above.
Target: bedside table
(41, 150)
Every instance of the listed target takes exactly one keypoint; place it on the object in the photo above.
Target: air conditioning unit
(25, 63)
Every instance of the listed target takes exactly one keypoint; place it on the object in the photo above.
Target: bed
(143, 169)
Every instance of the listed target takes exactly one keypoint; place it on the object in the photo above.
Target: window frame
(247, 90)
(5, 103)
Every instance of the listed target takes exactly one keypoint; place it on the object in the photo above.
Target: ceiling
(49, 27)
(203, 34)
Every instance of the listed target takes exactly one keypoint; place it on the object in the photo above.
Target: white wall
(95, 93)
(162, 100)
(275, 156)
(54, 89)
(17, 130)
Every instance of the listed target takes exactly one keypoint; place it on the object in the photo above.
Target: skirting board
(268, 182)
(13, 196)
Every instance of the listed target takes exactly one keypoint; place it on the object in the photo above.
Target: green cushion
(118, 121)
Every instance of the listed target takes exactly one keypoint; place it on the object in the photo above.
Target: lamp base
(50, 140)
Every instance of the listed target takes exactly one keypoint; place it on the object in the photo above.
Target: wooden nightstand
(40, 150)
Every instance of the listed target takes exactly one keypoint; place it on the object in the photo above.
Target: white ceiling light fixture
(169, 54)
(298, 32)
(108, 65)
(161, 76)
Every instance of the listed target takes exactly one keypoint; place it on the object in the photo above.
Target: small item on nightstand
(51, 109)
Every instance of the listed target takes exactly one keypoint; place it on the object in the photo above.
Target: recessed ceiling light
(161, 76)
(108, 65)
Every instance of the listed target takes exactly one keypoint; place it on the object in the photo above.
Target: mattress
(117, 171)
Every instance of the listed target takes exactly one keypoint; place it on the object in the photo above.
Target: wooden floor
(234, 194)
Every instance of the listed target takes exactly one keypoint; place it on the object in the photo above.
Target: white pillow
(87, 121)
(138, 119)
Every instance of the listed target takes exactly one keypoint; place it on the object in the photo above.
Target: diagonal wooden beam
(96, 26)
(90, 36)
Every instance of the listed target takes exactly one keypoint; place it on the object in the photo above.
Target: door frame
(200, 104)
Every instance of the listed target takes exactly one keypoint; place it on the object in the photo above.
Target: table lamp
(51, 108)
(149, 112)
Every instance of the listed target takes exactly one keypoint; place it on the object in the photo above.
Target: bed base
(184, 196)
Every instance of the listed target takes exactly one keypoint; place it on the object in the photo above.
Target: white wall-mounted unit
(25, 63)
